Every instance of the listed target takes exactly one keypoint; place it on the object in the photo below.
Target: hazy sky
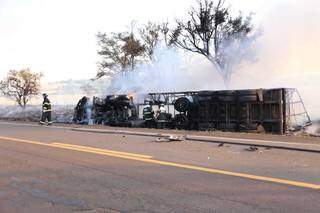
(57, 37)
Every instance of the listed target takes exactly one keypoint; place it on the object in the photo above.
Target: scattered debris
(251, 149)
(161, 140)
(175, 138)
(169, 138)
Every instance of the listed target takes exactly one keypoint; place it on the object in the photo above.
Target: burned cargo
(82, 112)
(276, 111)
(114, 110)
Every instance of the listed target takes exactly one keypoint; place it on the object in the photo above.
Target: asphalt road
(57, 170)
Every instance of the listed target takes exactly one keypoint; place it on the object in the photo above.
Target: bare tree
(21, 85)
(150, 35)
(119, 52)
(212, 32)
(155, 34)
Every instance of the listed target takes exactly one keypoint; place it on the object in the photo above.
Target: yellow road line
(24, 141)
(78, 148)
(171, 164)
(102, 150)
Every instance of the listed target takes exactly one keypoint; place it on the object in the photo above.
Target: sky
(57, 37)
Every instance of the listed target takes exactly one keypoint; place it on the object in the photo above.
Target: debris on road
(252, 149)
(161, 140)
(175, 138)
(170, 138)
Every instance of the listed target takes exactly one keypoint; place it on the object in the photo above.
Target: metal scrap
(252, 149)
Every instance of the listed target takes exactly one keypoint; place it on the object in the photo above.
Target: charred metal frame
(296, 115)
(272, 110)
(277, 111)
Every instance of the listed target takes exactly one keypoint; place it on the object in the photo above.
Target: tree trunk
(225, 74)
(24, 114)
(226, 81)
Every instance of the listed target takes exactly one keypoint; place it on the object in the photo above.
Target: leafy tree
(212, 32)
(122, 51)
(119, 52)
(21, 85)
(133, 49)
(152, 34)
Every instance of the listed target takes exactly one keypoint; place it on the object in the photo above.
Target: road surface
(58, 170)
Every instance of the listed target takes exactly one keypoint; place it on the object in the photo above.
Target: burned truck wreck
(277, 111)
(114, 110)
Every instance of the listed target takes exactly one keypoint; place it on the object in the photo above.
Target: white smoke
(287, 55)
(314, 129)
(173, 71)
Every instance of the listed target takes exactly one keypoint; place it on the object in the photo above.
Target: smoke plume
(287, 56)
(172, 71)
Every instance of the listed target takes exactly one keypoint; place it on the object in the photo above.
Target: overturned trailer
(277, 111)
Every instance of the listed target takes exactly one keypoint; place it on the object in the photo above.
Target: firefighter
(161, 117)
(148, 115)
(79, 114)
(46, 110)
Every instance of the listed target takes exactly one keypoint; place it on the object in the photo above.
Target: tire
(182, 104)
(180, 121)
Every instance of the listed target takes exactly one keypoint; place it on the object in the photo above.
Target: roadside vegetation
(21, 86)
(209, 29)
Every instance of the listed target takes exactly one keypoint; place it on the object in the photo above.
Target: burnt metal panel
(238, 110)
(252, 110)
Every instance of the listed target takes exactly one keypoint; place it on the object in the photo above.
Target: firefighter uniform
(162, 117)
(80, 112)
(46, 110)
(148, 115)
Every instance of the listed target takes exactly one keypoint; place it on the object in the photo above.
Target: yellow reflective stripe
(47, 110)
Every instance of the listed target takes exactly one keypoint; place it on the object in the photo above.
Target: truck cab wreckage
(276, 111)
